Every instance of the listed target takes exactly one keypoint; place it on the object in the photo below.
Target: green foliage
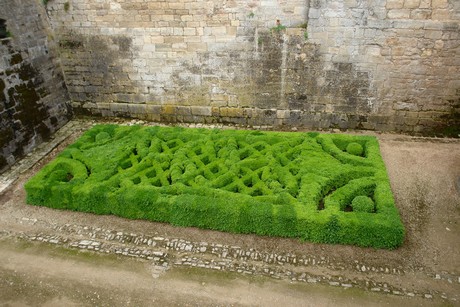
(295, 185)
(66, 6)
(278, 28)
(332, 230)
(102, 136)
(362, 204)
(305, 32)
(355, 149)
(303, 25)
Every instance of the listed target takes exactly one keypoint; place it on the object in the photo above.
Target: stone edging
(169, 252)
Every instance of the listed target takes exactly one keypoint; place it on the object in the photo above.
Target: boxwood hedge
(299, 185)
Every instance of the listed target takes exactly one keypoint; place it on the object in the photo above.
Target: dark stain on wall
(21, 113)
(93, 69)
(266, 71)
(33, 97)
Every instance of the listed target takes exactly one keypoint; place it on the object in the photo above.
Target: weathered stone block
(440, 14)
(282, 114)
(233, 112)
(439, 4)
(163, 47)
(137, 109)
(379, 24)
(201, 111)
(432, 34)
(411, 4)
(351, 3)
(421, 14)
(153, 109)
(314, 13)
(394, 4)
(399, 14)
(197, 47)
(182, 110)
(168, 109)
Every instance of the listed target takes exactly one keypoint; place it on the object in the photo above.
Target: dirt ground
(425, 178)
(44, 275)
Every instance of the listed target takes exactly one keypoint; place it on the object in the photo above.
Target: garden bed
(316, 187)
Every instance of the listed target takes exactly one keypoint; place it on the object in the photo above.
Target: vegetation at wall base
(286, 184)
(278, 28)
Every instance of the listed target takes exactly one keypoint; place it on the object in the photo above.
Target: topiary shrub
(296, 185)
(102, 136)
(362, 204)
(355, 149)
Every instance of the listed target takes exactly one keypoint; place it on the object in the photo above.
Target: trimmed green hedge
(299, 185)
(362, 204)
(355, 149)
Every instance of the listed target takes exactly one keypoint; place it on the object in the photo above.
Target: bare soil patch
(44, 275)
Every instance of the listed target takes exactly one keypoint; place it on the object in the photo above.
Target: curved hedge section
(299, 185)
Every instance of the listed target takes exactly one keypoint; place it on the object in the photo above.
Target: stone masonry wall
(33, 96)
(388, 65)
(410, 49)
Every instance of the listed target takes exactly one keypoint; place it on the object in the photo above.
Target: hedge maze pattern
(316, 187)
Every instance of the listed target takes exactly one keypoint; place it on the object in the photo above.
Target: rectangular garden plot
(316, 187)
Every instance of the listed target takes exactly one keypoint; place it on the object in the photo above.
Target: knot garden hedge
(326, 188)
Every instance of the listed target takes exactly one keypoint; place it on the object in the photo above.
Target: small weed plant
(300, 185)
(279, 28)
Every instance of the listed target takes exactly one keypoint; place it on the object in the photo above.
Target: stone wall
(388, 65)
(33, 96)
(409, 49)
